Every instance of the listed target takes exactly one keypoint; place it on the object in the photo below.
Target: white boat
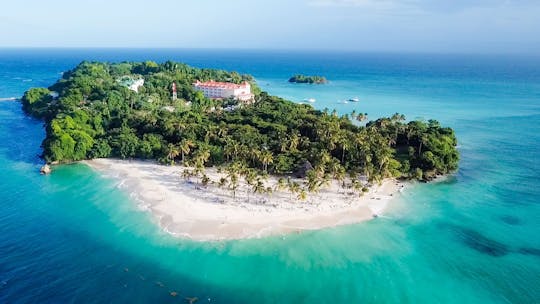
(354, 99)
(312, 100)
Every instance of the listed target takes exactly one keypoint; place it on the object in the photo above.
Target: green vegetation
(308, 79)
(96, 116)
(36, 101)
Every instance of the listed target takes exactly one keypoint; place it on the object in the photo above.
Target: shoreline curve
(185, 209)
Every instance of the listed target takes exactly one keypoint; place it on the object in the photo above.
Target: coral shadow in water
(477, 241)
(510, 220)
(529, 251)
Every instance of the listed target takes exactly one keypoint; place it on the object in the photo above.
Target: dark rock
(45, 170)
(302, 171)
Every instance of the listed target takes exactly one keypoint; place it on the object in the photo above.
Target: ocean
(77, 237)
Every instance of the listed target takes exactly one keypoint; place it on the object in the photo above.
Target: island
(308, 79)
(213, 157)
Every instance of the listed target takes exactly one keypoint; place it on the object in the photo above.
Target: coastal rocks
(45, 169)
(302, 171)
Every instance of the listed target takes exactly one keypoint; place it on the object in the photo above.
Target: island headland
(213, 157)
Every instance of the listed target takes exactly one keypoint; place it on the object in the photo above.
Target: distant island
(221, 132)
(308, 79)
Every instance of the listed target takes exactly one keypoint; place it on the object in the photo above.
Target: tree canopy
(95, 116)
(308, 79)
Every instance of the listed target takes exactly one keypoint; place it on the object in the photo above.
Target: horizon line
(298, 50)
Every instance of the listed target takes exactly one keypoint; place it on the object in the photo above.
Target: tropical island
(308, 79)
(243, 163)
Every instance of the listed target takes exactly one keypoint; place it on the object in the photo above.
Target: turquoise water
(76, 237)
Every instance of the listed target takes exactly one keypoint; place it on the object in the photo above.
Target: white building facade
(218, 90)
(131, 83)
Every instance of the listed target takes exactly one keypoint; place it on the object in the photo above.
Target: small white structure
(217, 90)
(132, 83)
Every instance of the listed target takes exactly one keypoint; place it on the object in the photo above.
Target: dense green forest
(95, 116)
(308, 79)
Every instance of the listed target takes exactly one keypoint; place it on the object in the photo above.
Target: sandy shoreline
(186, 209)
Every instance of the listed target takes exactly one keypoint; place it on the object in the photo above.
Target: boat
(354, 99)
(312, 100)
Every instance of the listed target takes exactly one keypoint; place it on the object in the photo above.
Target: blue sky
(366, 25)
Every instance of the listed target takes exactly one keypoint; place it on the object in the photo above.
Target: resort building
(218, 90)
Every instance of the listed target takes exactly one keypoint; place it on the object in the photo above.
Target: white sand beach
(185, 208)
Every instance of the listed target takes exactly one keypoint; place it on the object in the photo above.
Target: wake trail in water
(8, 99)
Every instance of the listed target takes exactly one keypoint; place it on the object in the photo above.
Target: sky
(447, 26)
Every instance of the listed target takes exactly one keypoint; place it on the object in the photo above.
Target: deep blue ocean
(76, 237)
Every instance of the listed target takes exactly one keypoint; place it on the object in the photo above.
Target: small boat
(312, 100)
(354, 99)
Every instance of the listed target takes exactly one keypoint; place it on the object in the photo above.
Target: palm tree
(345, 145)
(361, 117)
(281, 184)
(258, 186)
(172, 152)
(294, 187)
(211, 133)
(185, 148)
(200, 159)
(302, 194)
(340, 176)
(325, 157)
(250, 176)
(205, 180)
(223, 131)
(312, 181)
(357, 187)
(397, 117)
(255, 155)
(294, 140)
(334, 167)
(222, 182)
(325, 181)
(266, 158)
(201, 156)
(422, 140)
(233, 183)
(232, 173)
(353, 114)
(187, 174)
(232, 148)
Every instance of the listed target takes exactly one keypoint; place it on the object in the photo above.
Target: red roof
(220, 85)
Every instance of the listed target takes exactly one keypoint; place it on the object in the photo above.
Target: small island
(214, 157)
(308, 79)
